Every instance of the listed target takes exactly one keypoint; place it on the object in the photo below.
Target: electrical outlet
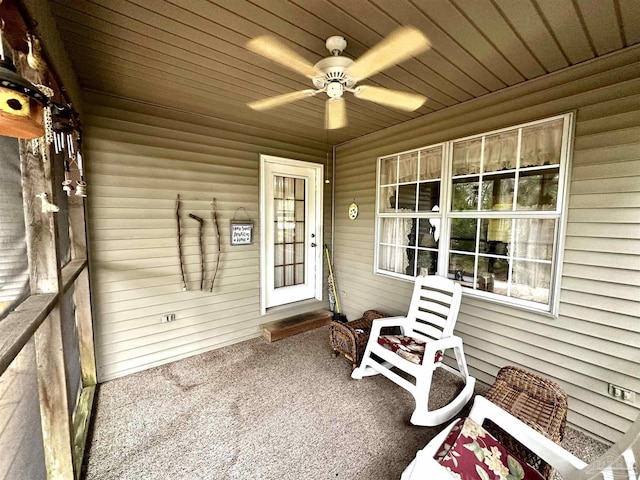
(169, 317)
(622, 393)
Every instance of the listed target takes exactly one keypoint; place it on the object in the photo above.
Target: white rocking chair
(427, 332)
(620, 462)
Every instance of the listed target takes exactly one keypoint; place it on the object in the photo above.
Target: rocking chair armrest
(425, 466)
(380, 323)
(546, 449)
(442, 344)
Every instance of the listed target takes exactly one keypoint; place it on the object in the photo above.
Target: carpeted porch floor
(255, 410)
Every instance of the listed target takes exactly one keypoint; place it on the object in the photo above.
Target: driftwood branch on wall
(179, 234)
(200, 241)
(216, 229)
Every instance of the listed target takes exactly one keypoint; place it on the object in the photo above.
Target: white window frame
(446, 215)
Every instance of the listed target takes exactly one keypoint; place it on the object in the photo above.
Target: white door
(291, 219)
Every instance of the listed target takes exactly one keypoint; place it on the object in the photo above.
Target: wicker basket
(538, 402)
(350, 339)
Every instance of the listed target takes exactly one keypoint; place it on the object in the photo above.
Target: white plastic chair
(431, 320)
(620, 462)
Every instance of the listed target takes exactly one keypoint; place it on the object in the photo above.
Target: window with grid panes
(486, 211)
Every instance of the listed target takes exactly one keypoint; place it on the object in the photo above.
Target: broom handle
(333, 280)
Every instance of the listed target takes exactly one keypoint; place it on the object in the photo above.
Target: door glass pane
(289, 237)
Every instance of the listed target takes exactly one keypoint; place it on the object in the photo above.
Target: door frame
(319, 180)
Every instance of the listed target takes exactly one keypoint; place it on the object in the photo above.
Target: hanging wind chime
(67, 139)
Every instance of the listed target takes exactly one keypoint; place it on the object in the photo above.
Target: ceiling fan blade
(390, 98)
(273, 49)
(400, 45)
(335, 113)
(271, 102)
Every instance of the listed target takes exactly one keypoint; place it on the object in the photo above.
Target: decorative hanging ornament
(353, 211)
(21, 102)
(34, 56)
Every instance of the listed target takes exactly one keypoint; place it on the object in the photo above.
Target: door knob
(313, 244)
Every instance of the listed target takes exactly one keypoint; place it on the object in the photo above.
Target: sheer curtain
(541, 144)
(533, 240)
(394, 231)
(500, 152)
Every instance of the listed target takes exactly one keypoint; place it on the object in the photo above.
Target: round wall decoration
(353, 211)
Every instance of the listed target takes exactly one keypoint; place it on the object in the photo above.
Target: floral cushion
(408, 348)
(471, 453)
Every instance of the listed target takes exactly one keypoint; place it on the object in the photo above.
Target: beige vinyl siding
(138, 158)
(596, 338)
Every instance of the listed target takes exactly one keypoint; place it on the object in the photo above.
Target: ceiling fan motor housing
(334, 71)
(336, 44)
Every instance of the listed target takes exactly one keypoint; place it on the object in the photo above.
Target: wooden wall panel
(138, 158)
(595, 339)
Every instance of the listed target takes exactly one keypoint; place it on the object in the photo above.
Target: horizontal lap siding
(596, 339)
(138, 158)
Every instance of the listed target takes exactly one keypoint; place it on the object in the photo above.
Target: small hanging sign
(241, 232)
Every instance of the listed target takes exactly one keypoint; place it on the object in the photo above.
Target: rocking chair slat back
(426, 333)
(434, 308)
(438, 310)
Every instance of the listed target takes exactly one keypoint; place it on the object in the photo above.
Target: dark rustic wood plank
(287, 327)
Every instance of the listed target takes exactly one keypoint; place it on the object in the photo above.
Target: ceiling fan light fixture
(335, 89)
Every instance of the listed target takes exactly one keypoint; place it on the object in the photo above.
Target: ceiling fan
(337, 74)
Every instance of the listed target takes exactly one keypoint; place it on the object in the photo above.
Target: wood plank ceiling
(191, 55)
